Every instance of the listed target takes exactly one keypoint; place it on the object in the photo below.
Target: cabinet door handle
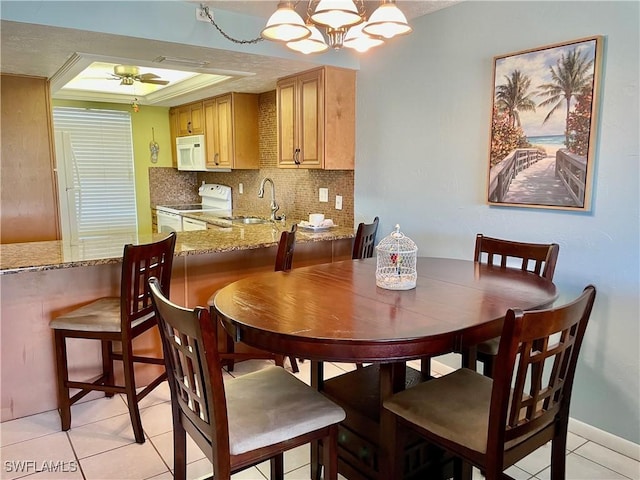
(189, 127)
(215, 159)
(296, 156)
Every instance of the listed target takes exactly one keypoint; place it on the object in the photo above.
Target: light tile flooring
(100, 445)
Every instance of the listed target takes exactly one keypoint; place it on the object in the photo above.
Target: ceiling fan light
(387, 21)
(360, 41)
(285, 25)
(336, 14)
(313, 44)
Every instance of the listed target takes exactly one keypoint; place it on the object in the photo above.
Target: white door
(69, 191)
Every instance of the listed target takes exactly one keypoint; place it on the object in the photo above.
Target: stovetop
(192, 207)
(215, 198)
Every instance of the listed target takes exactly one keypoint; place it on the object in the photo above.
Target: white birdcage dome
(396, 262)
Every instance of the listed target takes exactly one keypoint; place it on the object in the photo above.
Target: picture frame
(544, 120)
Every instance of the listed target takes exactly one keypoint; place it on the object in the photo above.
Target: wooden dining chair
(537, 258)
(364, 245)
(116, 319)
(283, 262)
(365, 240)
(493, 423)
(243, 421)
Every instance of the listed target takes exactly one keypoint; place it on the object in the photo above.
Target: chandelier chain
(231, 39)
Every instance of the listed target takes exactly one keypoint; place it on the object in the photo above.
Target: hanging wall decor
(543, 126)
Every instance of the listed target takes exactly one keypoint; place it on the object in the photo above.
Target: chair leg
(230, 349)
(107, 364)
(488, 365)
(130, 387)
(64, 402)
(462, 470)
(558, 454)
(294, 364)
(179, 452)
(277, 467)
(330, 450)
(279, 360)
(425, 366)
(316, 465)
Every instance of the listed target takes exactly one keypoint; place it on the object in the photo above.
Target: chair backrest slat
(365, 240)
(535, 368)
(538, 258)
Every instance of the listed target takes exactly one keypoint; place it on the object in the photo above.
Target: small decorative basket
(396, 262)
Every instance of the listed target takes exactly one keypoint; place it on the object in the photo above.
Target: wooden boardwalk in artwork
(539, 185)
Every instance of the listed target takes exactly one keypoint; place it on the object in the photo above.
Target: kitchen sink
(250, 220)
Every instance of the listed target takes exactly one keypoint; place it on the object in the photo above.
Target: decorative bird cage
(396, 262)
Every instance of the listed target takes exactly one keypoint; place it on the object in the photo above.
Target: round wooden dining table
(335, 312)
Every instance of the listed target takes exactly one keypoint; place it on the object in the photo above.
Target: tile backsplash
(297, 190)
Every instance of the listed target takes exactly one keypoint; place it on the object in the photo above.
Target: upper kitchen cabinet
(28, 189)
(231, 131)
(316, 119)
(190, 120)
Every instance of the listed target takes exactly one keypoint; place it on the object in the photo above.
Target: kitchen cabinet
(316, 119)
(231, 131)
(28, 190)
(190, 119)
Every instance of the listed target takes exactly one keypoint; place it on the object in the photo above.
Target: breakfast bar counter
(43, 280)
(224, 237)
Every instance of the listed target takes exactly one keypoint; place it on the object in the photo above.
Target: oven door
(169, 222)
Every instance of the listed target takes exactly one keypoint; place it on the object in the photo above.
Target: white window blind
(94, 151)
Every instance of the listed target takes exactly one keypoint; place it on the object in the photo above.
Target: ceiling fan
(127, 74)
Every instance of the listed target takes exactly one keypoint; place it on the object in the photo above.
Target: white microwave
(191, 153)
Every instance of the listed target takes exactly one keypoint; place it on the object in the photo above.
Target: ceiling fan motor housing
(126, 70)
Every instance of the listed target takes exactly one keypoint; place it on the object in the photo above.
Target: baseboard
(584, 430)
(606, 439)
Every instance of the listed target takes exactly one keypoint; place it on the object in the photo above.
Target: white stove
(216, 200)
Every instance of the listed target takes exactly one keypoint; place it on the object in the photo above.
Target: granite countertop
(228, 236)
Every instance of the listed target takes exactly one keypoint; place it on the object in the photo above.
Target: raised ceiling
(61, 54)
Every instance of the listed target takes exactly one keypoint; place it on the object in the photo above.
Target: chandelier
(344, 22)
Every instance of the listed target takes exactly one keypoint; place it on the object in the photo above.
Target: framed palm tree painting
(543, 126)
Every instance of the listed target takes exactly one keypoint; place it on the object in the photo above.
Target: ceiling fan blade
(154, 82)
(147, 76)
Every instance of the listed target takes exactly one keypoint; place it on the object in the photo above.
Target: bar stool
(116, 319)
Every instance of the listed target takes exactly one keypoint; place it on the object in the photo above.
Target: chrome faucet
(274, 206)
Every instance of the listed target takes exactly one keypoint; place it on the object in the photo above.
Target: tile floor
(100, 445)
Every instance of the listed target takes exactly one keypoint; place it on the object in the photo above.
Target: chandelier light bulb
(387, 21)
(360, 41)
(336, 14)
(313, 44)
(285, 25)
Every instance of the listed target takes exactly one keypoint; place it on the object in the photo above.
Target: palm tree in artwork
(513, 97)
(571, 76)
